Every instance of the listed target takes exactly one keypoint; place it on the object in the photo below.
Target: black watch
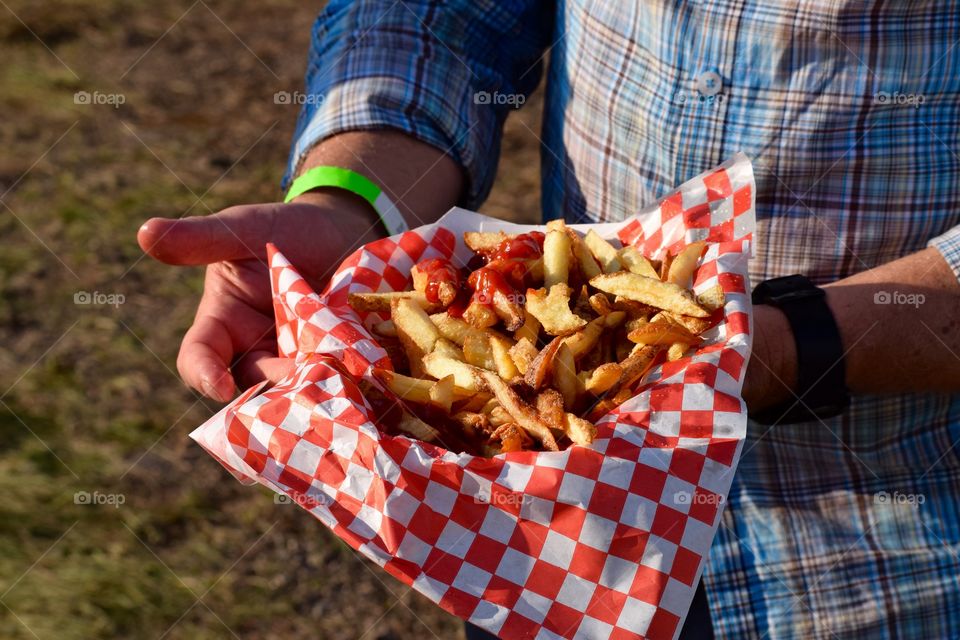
(821, 374)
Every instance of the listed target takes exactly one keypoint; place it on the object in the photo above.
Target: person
(842, 518)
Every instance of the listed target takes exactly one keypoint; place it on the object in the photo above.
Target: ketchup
(506, 268)
(526, 246)
(438, 270)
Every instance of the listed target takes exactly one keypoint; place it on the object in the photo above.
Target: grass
(89, 398)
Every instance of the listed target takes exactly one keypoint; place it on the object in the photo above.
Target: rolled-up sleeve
(948, 244)
(447, 73)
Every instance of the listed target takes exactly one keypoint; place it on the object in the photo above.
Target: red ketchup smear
(438, 270)
(505, 270)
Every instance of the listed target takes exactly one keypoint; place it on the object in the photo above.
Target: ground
(113, 524)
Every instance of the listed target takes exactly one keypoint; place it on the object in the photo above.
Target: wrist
(772, 374)
(354, 216)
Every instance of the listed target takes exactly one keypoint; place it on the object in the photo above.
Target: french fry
(485, 242)
(665, 266)
(499, 416)
(603, 251)
(601, 304)
(480, 316)
(416, 390)
(530, 329)
(603, 378)
(385, 328)
(556, 255)
(712, 299)
(696, 326)
(500, 349)
(441, 394)
(507, 310)
(446, 291)
(681, 269)
(663, 295)
(523, 353)
(636, 262)
(381, 301)
(676, 351)
(565, 375)
(511, 437)
(580, 431)
(477, 350)
(440, 366)
(635, 365)
(585, 260)
(553, 309)
(416, 332)
(446, 348)
(550, 407)
(474, 403)
(662, 333)
(417, 428)
(453, 329)
(542, 365)
(525, 416)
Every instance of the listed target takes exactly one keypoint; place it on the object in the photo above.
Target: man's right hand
(233, 338)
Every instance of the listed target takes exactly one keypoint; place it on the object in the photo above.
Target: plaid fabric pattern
(850, 113)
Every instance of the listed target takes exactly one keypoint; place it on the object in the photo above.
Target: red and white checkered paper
(605, 541)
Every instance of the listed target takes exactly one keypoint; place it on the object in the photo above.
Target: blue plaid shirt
(851, 113)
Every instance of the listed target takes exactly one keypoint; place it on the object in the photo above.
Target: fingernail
(210, 391)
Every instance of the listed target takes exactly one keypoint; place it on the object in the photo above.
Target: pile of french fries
(549, 333)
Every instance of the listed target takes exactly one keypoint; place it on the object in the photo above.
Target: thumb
(232, 234)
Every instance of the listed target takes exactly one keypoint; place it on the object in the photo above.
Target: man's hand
(233, 338)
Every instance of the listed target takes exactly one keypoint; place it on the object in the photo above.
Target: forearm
(421, 180)
(900, 325)
(900, 328)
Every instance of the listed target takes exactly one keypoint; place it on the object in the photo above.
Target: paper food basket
(604, 541)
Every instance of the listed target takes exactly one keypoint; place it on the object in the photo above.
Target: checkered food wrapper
(603, 541)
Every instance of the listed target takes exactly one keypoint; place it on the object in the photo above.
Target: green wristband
(354, 183)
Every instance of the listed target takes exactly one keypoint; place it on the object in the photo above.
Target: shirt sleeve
(446, 73)
(948, 244)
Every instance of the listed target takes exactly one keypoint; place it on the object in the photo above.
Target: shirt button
(710, 83)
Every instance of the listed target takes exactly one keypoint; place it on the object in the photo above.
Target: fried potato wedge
(550, 407)
(636, 262)
(480, 316)
(553, 309)
(565, 375)
(453, 329)
(585, 260)
(484, 241)
(603, 251)
(542, 365)
(603, 378)
(416, 332)
(530, 329)
(381, 301)
(683, 265)
(446, 291)
(523, 354)
(662, 332)
(524, 415)
(416, 390)
(663, 295)
(580, 431)
(556, 256)
(440, 366)
(712, 299)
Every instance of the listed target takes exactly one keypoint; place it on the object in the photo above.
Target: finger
(261, 365)
(204, 356)
(232, 234)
